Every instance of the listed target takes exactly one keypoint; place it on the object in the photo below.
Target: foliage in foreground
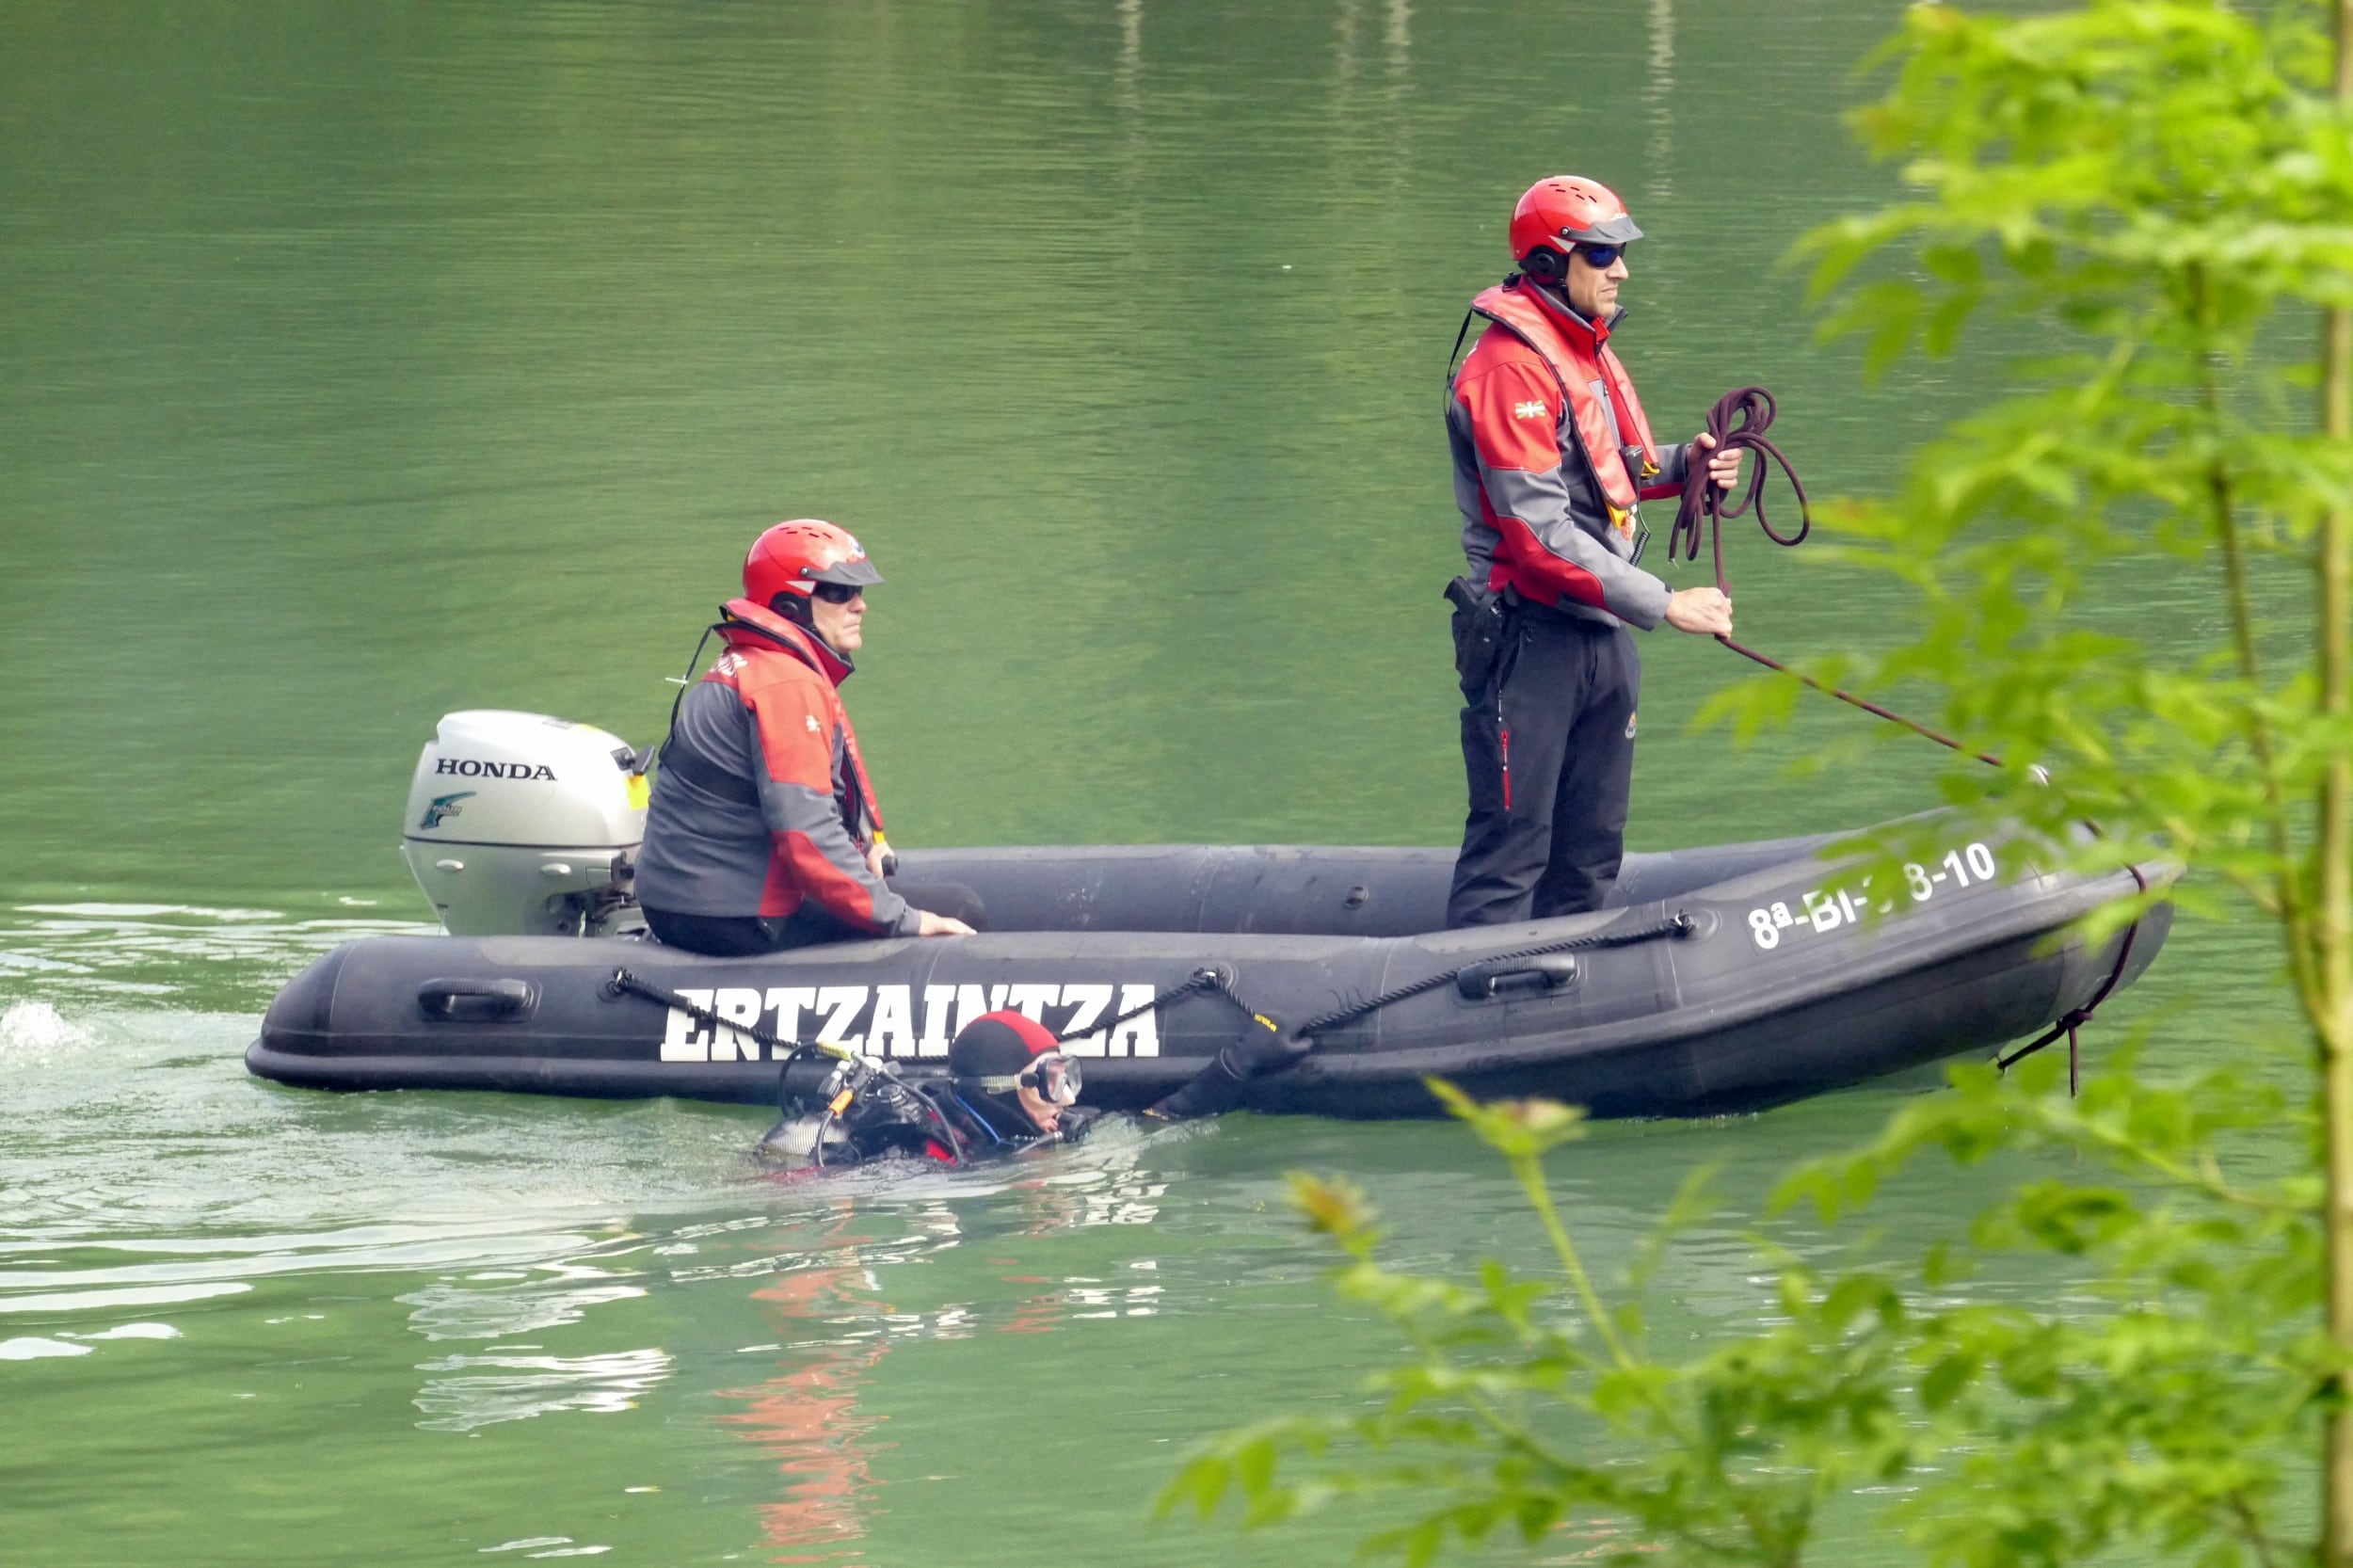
(2163, 191)
(1535, 1405)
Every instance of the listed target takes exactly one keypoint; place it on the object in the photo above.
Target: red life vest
(1599, 406)
(751, 625)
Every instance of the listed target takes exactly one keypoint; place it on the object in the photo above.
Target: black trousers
(1548, 748)
(742, 936)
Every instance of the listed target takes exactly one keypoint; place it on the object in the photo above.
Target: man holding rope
(1552, 459)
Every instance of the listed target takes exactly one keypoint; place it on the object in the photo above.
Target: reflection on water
(807, 1419)
(605, 1277)
(29, 1348)
(462, 1397)
(474, 1308)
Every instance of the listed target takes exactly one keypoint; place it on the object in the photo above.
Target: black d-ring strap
(620, 983)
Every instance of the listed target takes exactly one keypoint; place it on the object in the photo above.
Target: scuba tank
(838, 1108)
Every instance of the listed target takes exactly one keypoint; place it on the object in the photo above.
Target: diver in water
(1009, 1087)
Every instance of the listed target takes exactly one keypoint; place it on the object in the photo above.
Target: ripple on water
(107, 953)
(32, 1348)
(141, 1166)
(468, 1391)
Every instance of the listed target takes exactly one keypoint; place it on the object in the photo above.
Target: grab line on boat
(620, 983)
(1680, 924)
(2072, 1021)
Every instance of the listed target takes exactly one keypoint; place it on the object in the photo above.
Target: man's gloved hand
(1263, 1049)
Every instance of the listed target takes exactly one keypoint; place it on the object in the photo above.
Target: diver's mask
(1052, 1075)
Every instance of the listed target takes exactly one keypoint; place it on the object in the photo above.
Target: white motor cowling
(521, 824)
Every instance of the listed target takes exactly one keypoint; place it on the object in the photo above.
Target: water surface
(366, 363)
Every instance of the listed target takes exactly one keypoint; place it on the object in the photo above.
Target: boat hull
(1742, 977)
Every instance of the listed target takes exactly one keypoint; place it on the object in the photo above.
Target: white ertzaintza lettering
(882, 1020)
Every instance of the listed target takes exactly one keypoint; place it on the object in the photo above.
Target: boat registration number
(1824, 910)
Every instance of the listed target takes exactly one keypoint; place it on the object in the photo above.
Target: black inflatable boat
(1721, 978)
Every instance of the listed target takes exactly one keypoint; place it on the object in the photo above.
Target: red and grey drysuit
(761, 813)
(1552, 459)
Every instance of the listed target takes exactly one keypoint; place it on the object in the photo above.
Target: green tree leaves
(2166, 1409)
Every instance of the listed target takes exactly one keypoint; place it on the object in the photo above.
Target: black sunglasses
(837, 593)
(1601, 257)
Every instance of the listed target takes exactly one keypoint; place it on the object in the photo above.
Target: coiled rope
(1703, 507)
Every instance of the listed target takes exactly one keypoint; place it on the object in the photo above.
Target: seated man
(763, 833)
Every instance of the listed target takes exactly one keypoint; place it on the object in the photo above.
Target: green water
(361, 363)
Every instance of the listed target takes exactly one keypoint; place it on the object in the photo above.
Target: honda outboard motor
(521, 824)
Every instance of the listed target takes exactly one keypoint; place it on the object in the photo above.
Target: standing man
(1552, 459)
(764, 832)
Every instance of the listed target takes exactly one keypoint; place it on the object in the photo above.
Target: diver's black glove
(1218, 1087)
(1264, 1048)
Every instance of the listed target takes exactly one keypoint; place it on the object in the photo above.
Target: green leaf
(1515, 1128)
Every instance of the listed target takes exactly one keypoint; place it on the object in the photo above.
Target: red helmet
(1567, 210)
(792, 557)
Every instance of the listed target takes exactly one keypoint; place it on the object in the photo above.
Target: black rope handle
(2072, 1021)
(620, 983)
(1680, 924)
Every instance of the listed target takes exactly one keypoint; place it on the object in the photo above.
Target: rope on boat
(620, 983)
(1680, 924)
(2072, 1021)
(1211, 979)
(1204, 978)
